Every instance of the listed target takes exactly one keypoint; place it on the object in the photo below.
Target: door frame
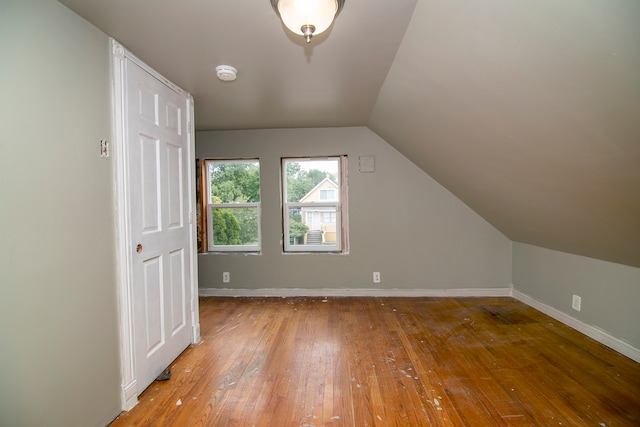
(119, 56)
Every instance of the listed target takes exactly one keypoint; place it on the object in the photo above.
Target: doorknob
(139, 248)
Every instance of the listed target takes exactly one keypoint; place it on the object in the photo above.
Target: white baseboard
(590, 331)
(335, 292)
(195, 334)
(129, 395)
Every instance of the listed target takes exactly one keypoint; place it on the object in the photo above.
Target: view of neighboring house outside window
(313, 206)
(319, 217)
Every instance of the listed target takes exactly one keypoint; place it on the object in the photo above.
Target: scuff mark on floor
(230, 379)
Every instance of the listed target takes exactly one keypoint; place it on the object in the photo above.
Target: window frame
(209, 207)
(339, 204)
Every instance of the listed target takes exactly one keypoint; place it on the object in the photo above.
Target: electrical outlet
(576, 303)
(226, 277)
(376, 277)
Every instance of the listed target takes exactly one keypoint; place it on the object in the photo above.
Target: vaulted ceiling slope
(528, 111)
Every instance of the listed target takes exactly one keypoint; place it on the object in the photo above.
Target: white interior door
(159, 212)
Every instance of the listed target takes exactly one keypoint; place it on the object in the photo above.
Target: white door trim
(129, 389)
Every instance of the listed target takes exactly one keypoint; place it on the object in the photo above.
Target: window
(329, 217)
(314, 204)
(233, 205)
(328, 194)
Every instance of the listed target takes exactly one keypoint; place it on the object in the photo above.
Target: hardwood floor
(389, 362)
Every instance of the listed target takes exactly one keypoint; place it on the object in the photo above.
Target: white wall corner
(593, 332)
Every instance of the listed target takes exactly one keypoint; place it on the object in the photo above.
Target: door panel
(150, 184)
(174, 118)
(152, 304)
(176, 205)
(178, 289)
(161, 291)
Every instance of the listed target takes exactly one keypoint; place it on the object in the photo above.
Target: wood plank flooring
(389, 362)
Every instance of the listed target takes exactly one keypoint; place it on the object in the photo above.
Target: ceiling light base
(307, 32)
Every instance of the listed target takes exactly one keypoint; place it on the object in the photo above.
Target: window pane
(234, 181)
(297, 229)
(317, 229)
(235, 226)
(312, 180)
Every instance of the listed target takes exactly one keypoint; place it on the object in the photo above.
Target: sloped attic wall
(610, 292)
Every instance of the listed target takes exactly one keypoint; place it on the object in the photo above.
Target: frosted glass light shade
(307, 17)
(297, 13)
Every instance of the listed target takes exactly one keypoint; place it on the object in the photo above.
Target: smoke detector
(226, 73)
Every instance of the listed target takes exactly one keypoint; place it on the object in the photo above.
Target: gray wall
(59, 362)
(402, 223)
(610, 292)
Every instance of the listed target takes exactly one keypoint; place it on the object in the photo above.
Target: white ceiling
(282, 80)
(528, 111)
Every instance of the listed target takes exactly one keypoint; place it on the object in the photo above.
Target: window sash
(334, 205)
(324, 247)
(212, 247)
(209, 162)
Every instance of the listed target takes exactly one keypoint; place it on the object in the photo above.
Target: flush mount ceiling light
(307, 17)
